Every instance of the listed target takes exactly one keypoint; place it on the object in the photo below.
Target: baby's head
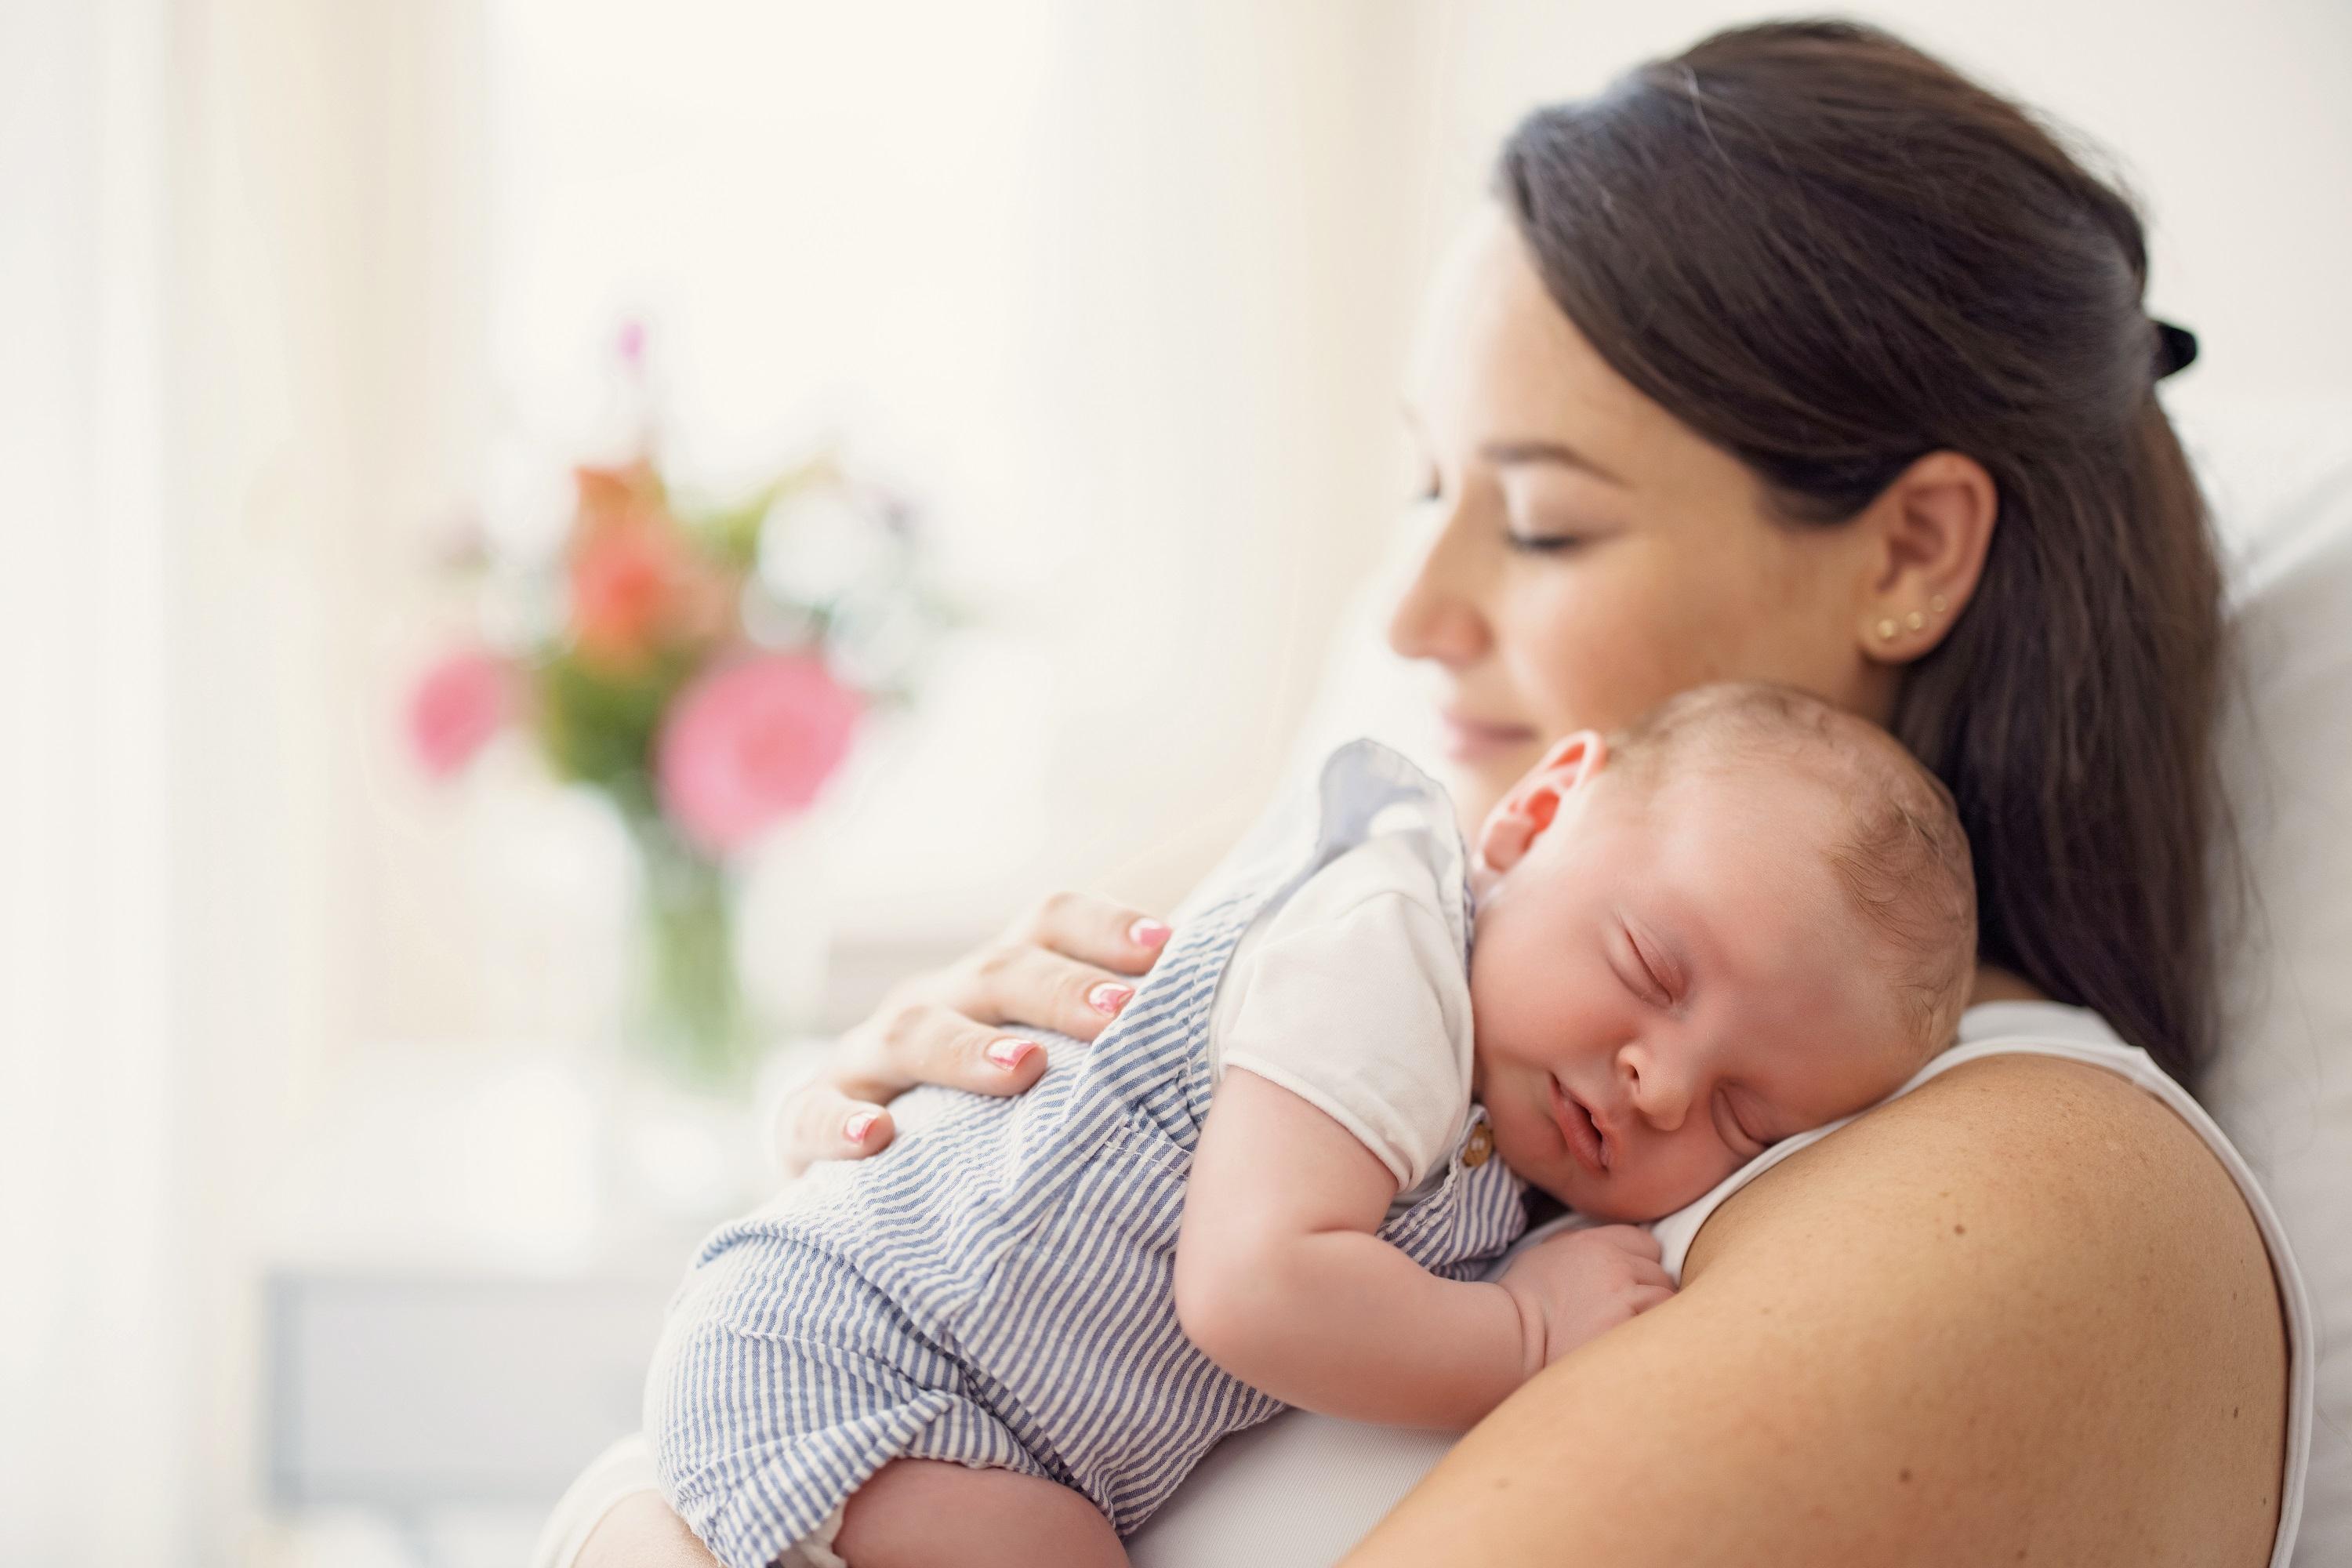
(1748, 915)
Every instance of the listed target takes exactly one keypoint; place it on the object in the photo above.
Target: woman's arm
(641, 1531)
(2020, 1314)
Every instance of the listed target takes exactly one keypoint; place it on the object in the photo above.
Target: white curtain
(238, 266)
(93, 1350)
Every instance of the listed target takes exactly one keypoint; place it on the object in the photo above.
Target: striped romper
(997, 1287)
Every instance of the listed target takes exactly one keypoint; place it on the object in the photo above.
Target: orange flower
(624, 582)
(628, 495)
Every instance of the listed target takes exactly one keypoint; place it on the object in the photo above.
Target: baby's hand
(1573, 1287)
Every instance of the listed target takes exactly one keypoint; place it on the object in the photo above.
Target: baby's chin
(1594, 1201)
(1611, 1198)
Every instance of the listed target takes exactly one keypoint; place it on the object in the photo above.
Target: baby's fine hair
(1901, 855)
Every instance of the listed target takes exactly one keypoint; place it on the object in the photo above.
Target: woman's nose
(1437, 616)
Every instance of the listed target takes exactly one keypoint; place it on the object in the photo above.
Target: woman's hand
(1066, 966)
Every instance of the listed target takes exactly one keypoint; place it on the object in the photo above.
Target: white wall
(1125, 287)
(1113, 286)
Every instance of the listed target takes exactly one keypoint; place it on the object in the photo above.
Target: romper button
(1482, 1143)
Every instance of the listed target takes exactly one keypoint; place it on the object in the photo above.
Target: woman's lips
(1470, 739)
(1578, 1131)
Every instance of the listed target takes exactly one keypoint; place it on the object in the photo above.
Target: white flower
(817, 545)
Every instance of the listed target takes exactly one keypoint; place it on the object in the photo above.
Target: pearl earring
(1885, 629)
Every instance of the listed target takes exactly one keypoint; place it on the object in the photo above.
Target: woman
(1798, 357)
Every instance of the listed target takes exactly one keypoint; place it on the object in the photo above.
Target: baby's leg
(929, 1513)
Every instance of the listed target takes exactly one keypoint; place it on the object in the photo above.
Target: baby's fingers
(1645, 1296)
(1632, 1238)
(1649, 1273)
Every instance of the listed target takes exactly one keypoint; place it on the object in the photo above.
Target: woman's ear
(1531, 806)
(1933, 526)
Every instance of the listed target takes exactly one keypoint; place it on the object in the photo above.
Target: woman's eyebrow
(1544, 450)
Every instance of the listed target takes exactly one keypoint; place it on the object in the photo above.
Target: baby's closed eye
(1741, 1123)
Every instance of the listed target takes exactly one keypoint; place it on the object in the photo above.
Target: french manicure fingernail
(1147, 932)
(1011, 1051)
(1109, 998)
(858, 1126)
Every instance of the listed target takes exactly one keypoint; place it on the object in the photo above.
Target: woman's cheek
(1595, 657)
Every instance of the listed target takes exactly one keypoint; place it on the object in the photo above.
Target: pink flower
(751, 743)
(457, 707)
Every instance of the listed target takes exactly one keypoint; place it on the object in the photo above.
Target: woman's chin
(1476, 789)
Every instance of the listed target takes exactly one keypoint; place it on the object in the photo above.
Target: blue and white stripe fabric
(997, 1287)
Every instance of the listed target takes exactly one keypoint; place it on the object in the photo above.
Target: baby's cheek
(1698, 1169)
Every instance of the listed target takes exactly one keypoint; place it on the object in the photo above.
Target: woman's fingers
(1067, 966)
(923, 1042)
(818, 1121)
(1028, 985)
(1094, 931)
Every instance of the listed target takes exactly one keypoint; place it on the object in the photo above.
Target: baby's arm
(1281, 1280)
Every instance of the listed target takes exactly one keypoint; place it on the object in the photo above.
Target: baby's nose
(1661, 1096)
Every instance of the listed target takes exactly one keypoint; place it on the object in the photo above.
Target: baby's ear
(1526, 811)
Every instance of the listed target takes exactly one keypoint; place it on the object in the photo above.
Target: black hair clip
(2175, 348)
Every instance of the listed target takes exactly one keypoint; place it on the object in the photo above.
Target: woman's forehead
(1495, 362)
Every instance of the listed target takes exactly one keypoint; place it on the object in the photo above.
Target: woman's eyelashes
(1543, 543)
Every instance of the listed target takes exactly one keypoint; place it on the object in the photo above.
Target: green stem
(691, 1016)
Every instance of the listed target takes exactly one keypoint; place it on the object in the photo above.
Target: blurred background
(1006, 393)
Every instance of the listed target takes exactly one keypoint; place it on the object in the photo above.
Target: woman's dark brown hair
(1830, 254)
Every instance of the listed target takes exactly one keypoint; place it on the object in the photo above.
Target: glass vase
(687, 1018)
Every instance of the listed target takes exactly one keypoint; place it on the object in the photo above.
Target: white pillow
(2279, 478)
(1304, 1487)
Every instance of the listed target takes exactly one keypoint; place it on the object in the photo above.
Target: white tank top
(2076, 1034)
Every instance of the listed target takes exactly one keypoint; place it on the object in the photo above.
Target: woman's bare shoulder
(2021, 1313)
(2047, 1154)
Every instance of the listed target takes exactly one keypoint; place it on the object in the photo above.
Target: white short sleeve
(1354, 999)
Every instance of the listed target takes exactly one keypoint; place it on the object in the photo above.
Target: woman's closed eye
(1544, 543)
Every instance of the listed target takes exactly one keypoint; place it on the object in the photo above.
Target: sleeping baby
(1283, 1175)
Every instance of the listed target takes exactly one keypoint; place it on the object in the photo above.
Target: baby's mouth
(1578, 1131)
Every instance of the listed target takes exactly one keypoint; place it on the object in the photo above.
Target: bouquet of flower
(705, 668)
